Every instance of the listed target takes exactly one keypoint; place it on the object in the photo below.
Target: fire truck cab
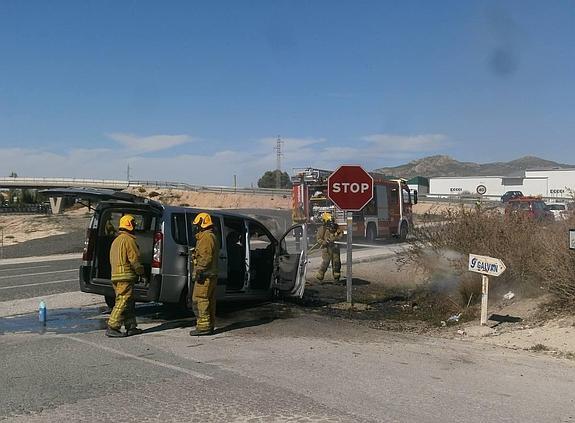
(387, 215)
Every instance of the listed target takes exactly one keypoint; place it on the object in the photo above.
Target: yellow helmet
(204, 220)
(127, 222)
(326, 217)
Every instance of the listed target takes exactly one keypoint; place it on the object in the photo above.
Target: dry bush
(536, 254)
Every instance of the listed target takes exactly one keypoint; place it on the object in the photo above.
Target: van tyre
(110, 301)
(371, 233)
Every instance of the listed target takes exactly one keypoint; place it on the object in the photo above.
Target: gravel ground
(72, 242)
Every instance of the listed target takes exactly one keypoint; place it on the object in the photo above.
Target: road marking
(41, 259)
(39, 283)
(135, 357)
(22, 268)
(38, 274)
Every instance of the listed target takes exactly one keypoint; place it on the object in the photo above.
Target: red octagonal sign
(350, 188)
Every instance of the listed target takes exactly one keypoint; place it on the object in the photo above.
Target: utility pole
(279, 154)
(128, 173)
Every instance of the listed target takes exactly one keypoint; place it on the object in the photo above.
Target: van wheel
(403, 232)
(110, 301)
(371, 233)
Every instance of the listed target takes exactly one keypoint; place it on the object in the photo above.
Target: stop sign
(350, 188)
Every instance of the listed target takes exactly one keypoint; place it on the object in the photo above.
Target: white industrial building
(546, 183)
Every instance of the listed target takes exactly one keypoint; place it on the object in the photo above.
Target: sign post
(349, 279)
(350, 188)
(487, 266)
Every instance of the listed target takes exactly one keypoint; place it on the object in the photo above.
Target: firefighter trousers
(330, 254)
(204, 303)
(124, 311)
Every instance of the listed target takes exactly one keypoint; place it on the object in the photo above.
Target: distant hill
(446, 166)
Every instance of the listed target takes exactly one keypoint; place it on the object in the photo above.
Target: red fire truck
(387, 215)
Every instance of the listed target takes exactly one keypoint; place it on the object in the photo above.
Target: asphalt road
(268, 363)
(38, 278)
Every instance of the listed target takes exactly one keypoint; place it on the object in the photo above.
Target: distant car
(532, 207)
(510, 195)
(559, 210)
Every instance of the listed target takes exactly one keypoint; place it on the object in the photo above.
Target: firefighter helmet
(203, 220)
(127, 222)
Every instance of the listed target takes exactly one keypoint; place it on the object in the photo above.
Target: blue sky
(197, 91)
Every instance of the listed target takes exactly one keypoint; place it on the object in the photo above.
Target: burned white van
(253, 264)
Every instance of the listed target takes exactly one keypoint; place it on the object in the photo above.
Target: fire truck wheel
(371, 233)
(403, 232)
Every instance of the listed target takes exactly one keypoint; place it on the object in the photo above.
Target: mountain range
(433, 166)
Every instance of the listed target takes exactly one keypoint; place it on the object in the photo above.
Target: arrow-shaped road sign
(486, 265)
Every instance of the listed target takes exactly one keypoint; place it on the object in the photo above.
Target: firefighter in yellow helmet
(126, 269)
(204, 275)
(327, 235)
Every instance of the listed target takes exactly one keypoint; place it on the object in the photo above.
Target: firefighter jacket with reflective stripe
(205, 257)
(328, 234)
(125, 258)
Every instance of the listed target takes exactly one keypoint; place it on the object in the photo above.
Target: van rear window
(110, 221)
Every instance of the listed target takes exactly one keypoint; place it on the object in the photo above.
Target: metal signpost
(350, 188)
(487, 266)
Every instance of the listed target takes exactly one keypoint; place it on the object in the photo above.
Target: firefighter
(126, 269)
(204, 275)
(327, 235)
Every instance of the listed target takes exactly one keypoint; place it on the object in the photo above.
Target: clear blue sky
(197, 91)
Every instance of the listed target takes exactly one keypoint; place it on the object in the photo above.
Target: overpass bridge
(118, 185)
(45, 183)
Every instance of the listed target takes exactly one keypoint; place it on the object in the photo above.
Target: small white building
(560, 182)
(452, 185)
(546, 183)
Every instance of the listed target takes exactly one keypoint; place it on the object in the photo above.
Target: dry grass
(536, 254)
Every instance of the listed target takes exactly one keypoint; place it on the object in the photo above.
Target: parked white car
(559, 210)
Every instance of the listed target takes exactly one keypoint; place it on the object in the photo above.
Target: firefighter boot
(114, 333)
(196, 332)
(134, 331)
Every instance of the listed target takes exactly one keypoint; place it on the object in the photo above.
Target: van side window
(179, 230)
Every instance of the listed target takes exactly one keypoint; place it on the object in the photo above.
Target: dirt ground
(211, 200)
(16, 229)
(392, 298)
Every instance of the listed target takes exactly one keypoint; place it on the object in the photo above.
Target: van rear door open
(95, 272)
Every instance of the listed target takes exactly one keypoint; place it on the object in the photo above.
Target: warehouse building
(546, 182)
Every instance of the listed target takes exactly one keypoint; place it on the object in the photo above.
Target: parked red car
(532, 207)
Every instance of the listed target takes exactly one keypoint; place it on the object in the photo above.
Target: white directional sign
(572, 239)
(486, 265)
